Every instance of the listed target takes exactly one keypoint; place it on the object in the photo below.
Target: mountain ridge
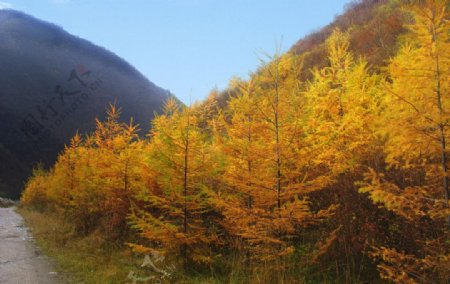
(53, 84)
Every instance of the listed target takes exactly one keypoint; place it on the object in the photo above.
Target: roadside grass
(92, 260)
(81, 260)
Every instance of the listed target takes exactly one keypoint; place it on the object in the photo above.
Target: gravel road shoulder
(21, 261)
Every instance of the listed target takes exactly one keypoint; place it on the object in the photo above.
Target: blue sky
(187, 46)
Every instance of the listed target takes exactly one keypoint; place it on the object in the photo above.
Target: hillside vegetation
(340, 176)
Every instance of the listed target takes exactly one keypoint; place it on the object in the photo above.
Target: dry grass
(82, 260)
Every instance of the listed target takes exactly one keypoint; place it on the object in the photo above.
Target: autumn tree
(176, 218)
(267, 172)
(415, 184)
(246, 198)
(35, 194)
(343, 102)
(93, 179)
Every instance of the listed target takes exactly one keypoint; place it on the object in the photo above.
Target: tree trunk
(185, 181)
(185, 186)
(437, 75)
(277, 136)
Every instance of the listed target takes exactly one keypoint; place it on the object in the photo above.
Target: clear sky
(187, 46)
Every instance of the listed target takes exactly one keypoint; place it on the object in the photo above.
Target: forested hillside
(53, 84)
(328, 165)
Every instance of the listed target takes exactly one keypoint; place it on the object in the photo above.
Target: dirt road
(20, 259)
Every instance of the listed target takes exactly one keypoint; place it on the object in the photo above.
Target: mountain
(53, 84)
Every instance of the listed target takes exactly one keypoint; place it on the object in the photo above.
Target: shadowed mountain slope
(53, 84)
